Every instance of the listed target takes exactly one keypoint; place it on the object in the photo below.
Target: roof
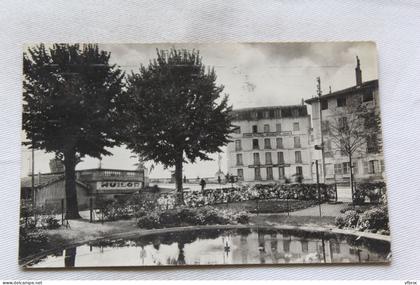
(43, 180)
(269, 112)
(347, 91)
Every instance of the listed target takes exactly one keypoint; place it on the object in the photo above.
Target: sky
(253, 74)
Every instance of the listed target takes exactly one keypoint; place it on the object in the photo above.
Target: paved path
(327, 210)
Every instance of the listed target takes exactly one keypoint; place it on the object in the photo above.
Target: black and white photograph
(201, 154)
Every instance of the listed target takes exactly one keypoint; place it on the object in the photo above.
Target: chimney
(358, 73)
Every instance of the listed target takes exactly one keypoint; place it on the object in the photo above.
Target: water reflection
(242, 246)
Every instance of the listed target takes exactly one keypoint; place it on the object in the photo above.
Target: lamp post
(319, 92)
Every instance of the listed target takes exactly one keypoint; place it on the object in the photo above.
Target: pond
(220, 246)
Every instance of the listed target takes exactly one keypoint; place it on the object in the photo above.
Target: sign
(118, 185)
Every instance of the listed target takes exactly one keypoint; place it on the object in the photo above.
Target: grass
(267, 206)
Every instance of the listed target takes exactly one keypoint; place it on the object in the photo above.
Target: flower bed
(373, 220)
(189, 217)
(373, 191)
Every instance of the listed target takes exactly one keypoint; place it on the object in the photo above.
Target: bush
(374, 220)
(211, 216)
(149, 221)
(190, 216)
(349, 219)
(50, 223)
(31, 241)
(242, 218)
(373, 190)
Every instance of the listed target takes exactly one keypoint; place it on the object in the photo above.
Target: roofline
(349, 90)
(267, 107)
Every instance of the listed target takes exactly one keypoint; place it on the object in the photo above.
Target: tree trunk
(178, 181)
(72, 209)
(351, 179)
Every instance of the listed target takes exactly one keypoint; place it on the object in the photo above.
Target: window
(355, 167)
(238, 145)
(267, 143)
(256, 159)
(269, 173)
(382, 166)
(255, 129)
(341, 101)
(337, 169)
(299, 170)
(266, 128)
(296, 126)
(257, 173)
(239, 159)
(278, 128)
(346, 168)
(372, 144)
(370, 121)
(237, 130)
(279, 142)
(255, 144)
(342, 123)
(280, 157)
(343, 147)
(266, 114)
(296, 142)
(298, 157)
(325, 127)
(373, 167)
(368, 96)
(240, 174)
(324, 104)
(268, 158)
(281, 172)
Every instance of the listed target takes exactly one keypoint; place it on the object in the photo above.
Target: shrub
(373, 220)
(348, 219)
(373, 190)
(242, 218)
(31, 241)
(169, 218)
(149, 221)
(190, 216)
(211, 216)
(340, 221)
(50, 223)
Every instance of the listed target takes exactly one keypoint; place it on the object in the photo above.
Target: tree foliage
(175, 111)
(70, 95)
(353, 126)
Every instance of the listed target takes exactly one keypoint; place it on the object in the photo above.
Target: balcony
(268, 134)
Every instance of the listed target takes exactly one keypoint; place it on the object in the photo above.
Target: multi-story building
(270, 144)
(334, 107)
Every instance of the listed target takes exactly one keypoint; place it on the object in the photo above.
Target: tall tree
(175, 112)
(353, 128)
(70, 106)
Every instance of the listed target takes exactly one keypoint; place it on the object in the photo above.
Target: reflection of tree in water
(274, 248)
(181, 254)
(156, 244)
(70, 257)
(244, 233)
(261, 245)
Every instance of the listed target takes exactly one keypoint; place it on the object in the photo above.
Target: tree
(70, 106)
(354, 128)
(175, 112)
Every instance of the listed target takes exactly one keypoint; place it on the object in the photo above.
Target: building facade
(337, 108)
(106, 184)
(270, 144)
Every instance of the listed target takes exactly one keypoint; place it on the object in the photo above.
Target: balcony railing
(267, 134)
